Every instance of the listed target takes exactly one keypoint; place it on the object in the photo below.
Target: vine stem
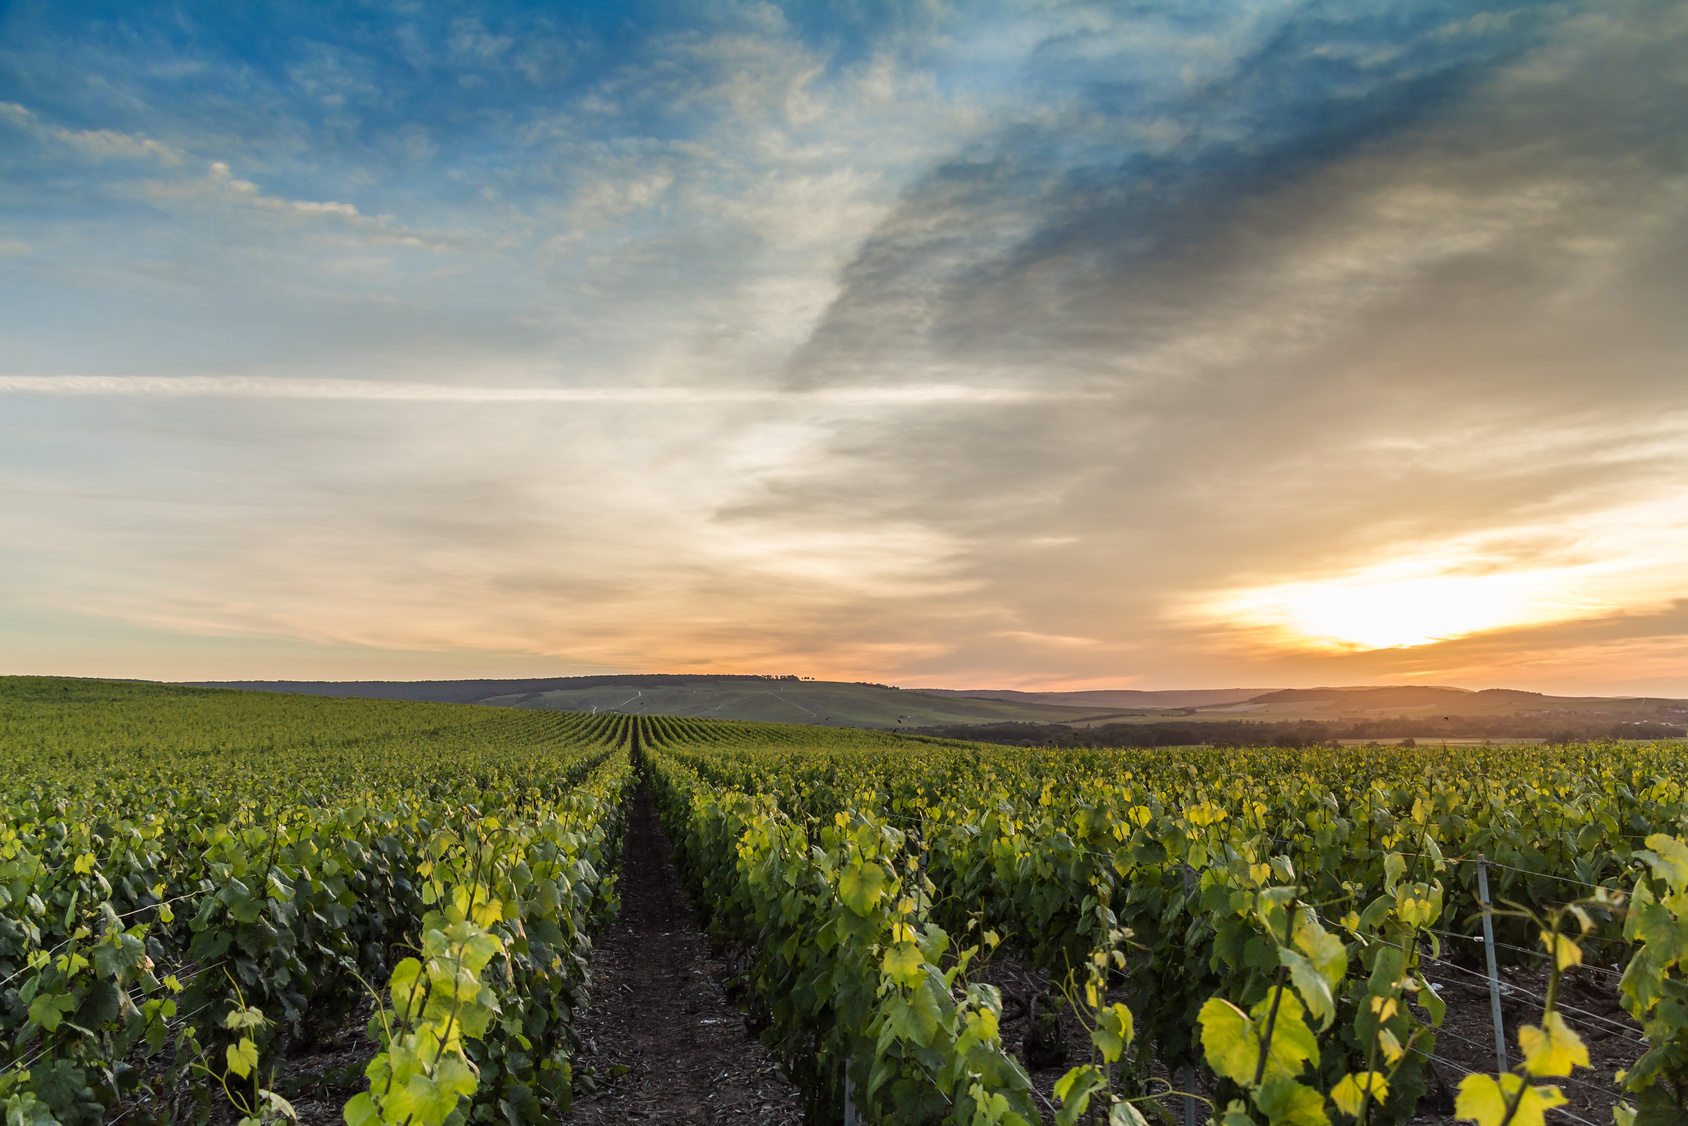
(1271, 1022)
(1547, 1010)
(1517, 1100)
(1371, 1066)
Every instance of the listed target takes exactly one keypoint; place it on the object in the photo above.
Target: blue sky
(1045, 344)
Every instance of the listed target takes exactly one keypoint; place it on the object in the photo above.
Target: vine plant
(422, 1076)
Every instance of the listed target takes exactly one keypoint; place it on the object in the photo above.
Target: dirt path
(657, 1015)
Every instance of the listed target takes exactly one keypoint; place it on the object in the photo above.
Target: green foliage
(423, 1077)
(1655, 986)
(1319, 877)
(190, 879)
(1550, 1050)
(852, 971)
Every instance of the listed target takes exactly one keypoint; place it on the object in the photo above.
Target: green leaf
(48, 1009)
(862, 886)
(1228, 1040)
(914, 1023)
(249, 1017)
(1288, 1103)
(420, 1100)
(1074, 1090)
(24, 1109)
(1418, 905)
(1669, 860)
(278, 1105)
(1552, 1050)
(1656, 1106)
(1231, 1039)
(242, 1057)
(1325, 950)
(904, 965)
(1311, 984)
(1113, 1031)
(1125, 1114)
(1349, 1094)
(1484, 1100)
(1564, 950)
(1433, 1003)
(1236, 1114)
(455, 1076)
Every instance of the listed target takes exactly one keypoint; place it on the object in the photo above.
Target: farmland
(1236, 717)
(199, 885)
(776, 699)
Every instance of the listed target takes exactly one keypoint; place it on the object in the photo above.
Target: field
(1093, 718)
(197, 885)
(764, 699)
(206, 894)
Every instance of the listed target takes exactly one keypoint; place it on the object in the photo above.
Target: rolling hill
(776, 699)
(1363, 711)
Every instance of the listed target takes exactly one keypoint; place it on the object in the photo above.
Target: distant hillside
(775, 699)
(475, 691)
(1130, 716)
(1396, 696)
(1107, 697)
(1436, 702)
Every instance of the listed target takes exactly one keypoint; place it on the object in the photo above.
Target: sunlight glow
(1375, 612)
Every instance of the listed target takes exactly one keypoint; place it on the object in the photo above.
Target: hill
(777, 699)
(1437, 701)
(1107, 697)
(1009, 715)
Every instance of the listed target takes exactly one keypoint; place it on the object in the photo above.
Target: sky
(1045, 345)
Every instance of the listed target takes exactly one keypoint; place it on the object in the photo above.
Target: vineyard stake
(1489, 949)
(849, 1101)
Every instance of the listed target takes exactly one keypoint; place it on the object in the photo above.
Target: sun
(1378, 611)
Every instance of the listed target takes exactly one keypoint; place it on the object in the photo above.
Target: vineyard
(198, 885)
(193, 883)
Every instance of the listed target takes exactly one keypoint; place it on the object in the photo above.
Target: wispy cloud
(260, 387)
(94, 144)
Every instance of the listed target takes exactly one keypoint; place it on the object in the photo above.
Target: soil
(660, 1033)
(318, 1081)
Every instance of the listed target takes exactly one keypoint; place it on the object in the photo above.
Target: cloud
(354, 390)
(1262, 301)
(378, 228)
(1335, 311)
(94, 144)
